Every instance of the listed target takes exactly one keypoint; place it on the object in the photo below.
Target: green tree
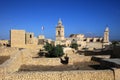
(115, 42)
(48, 47)
(53, 51)
(74, 45)
(58, 51)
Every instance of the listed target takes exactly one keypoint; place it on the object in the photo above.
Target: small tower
(106, 35)
(29, 38)
(59, 31)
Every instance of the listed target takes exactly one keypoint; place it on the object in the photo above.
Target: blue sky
(78, 16)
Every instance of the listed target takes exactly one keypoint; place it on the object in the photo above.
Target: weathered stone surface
(63, 75)
(9, 69)
(7, 51)
(116, 73)
(17, 38)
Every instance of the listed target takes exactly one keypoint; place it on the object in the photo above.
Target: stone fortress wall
(21, 39)
(14, 63)
(56, 61)
(29, 37)
(17, 38)
(96, 45)
(62, 75)
(9, 70)
(7, 51)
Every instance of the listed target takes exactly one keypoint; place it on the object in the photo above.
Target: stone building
(4, 43)
(59, 31)
(41, 39)
(22, 39)
(29, 38)
(17, 38)
(82, 41)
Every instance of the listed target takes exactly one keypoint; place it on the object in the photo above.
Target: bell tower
(106, 35)
(59, 31)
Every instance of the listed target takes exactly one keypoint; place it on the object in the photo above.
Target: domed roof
(59, 24)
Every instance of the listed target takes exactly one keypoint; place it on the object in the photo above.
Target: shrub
(74, 45)
(58, 51)
(48, 47)
(53, 51)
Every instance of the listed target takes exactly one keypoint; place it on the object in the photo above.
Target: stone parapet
(62, 75)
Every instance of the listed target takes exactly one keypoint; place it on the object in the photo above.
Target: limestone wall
(17, 38)
(9, 69)
(29, 37)
(117, 73)
(11, 65)
(33, 46)
(16, 60)
(56, 61)
(7, 51)
(96, 45)
(68, 50)
(63, 75)
(44, 61)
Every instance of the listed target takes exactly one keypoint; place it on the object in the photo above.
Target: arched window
(30, 36)
(59, 33)
(91, 40)
(3, 44)
(98, 40)
(85, 40)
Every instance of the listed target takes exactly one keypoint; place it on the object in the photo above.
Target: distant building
(22, 39)
(82, 41)
(59, 31)
(4, 42)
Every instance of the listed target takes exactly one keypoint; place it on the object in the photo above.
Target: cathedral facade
(82, 41)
